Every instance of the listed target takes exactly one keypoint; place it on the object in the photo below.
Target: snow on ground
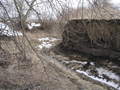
(31, 25)
(110, 74)
(45, 45)
(75, 61)
(47, 42)
(102, 75)
(92, 63)
(110, 83)
(6, 30)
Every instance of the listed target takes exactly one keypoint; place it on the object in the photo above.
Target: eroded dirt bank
(93, 37)
(93, 49)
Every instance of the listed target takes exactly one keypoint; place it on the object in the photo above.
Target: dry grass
(99, 31)
(41, 73)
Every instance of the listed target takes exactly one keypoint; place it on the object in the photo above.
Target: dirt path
(68, 74)
(32, 74)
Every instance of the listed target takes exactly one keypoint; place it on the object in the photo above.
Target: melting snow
(45, 45)
(30, 26)
(6, 30)
(44, 39)
(110, 83)
(47, 42)
(92, 63)
(74, 61)
(50, 39)
(110, 74)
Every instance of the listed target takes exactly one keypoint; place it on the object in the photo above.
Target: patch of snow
(92, 63)
(75, 61)
(66, 62)
(110, 74)
(50, 39)
(36, 25)
(45, 45)
(110, 83)
(53, 39)
(44, 39)
(47, 42)
(6, 30)
(30, 26)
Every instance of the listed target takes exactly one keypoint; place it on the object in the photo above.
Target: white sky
(115, 2)
(74, 3)
(43, 8)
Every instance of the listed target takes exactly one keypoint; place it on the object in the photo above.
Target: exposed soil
(43, 73)
(98, 38)
(95, 67)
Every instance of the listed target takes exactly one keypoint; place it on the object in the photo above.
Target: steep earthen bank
(93, 37)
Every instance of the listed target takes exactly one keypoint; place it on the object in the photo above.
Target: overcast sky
(74, 3)
(115, 2)
(44, 8)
